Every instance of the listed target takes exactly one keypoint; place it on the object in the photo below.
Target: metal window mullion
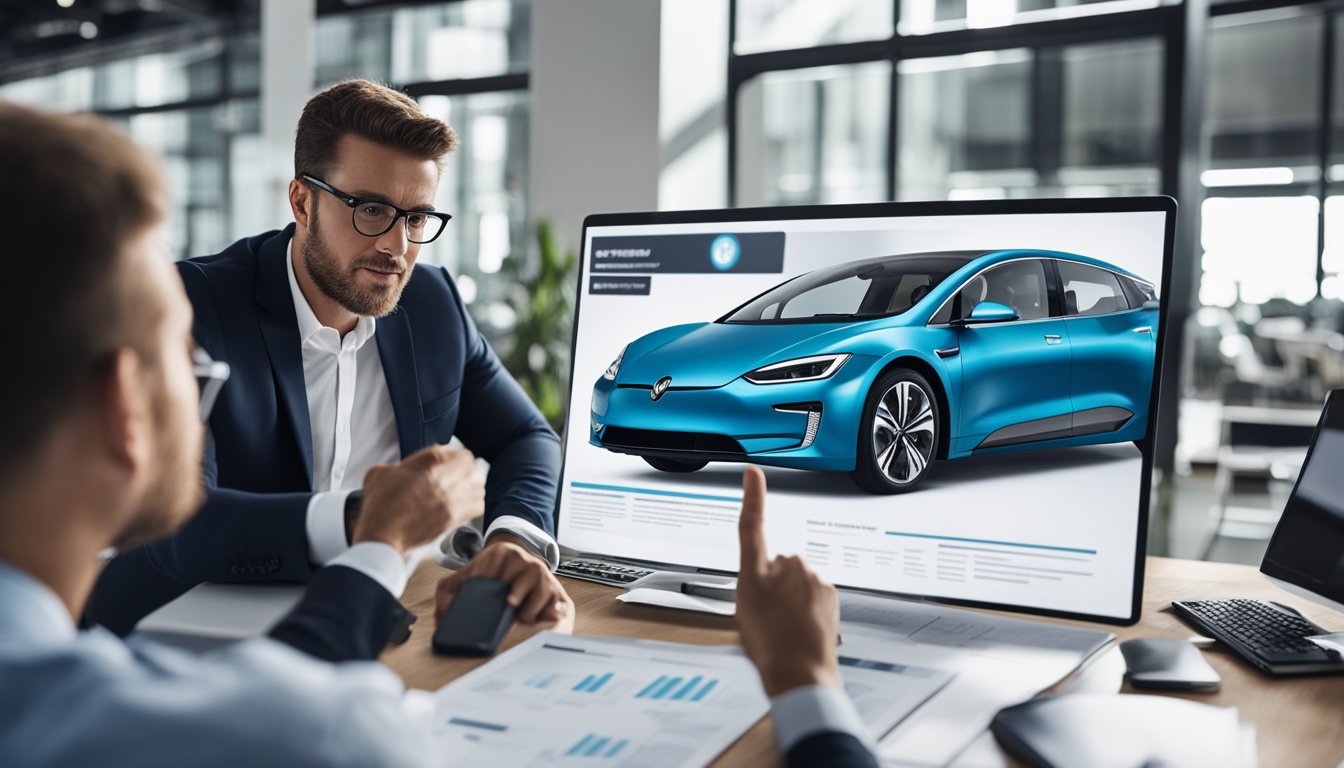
(1324, 139)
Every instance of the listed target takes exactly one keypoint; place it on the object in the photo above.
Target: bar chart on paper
(598, 701)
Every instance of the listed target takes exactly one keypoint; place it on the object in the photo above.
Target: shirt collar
(308, 322)
(30, 613)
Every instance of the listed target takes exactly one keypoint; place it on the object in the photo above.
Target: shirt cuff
(326, 526)
(379, 562)
(811, 709)
(539, 540)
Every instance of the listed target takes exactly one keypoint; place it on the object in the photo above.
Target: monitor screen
(1307, 548)
(949, 400)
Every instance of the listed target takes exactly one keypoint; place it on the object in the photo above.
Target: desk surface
(1297, 720)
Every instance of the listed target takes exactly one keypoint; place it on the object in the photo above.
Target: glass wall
(922, 17)
(448, 41)
(821, 134)
(965, 126)
(768, 25)
(175, 102)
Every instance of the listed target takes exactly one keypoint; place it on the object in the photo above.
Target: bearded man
(348, 356)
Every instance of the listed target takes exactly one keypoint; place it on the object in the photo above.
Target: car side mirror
(989, 312)
(1151, 304)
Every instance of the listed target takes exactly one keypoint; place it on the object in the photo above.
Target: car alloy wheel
(903, 431)
(898, 438)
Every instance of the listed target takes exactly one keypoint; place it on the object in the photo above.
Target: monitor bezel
(1276, 569)
(1151, 204)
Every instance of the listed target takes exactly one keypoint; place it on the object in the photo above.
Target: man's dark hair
(370, 111)
(75, 193)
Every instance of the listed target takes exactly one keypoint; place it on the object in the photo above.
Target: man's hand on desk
(537, 596)
(431, 491)
(789, 618)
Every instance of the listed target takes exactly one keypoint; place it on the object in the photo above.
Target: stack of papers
(996, 662)
(562, 699)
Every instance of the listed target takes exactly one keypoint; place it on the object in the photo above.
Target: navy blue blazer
(829, 749)
(444, 381)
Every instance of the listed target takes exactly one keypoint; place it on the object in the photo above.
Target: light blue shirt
(70, 698)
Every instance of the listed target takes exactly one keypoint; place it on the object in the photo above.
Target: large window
(196, 106)
(1270, 231)
(819, 135)
(1058, 116)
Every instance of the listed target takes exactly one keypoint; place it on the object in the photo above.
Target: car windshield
(856, 290)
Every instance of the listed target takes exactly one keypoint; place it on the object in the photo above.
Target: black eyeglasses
(373, 218)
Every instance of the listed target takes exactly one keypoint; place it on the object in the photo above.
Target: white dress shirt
(338, 374)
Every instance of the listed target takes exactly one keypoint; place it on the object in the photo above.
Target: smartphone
(476, 620)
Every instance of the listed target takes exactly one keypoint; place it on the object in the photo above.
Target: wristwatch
(353, 502)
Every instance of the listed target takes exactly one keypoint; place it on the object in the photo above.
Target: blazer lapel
(280, 328)
(397, 354)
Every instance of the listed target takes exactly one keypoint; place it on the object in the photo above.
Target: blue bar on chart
(540, 681)
(596, 746)
(615, 748)
(582, 746)
(651, 687)
(662, 692)
(687, 688)
(704, 691)
(592, 683)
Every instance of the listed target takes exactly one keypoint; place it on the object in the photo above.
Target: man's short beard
(341, 287)
(177, 489)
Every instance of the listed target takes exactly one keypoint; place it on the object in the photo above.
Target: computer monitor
(1306, 553)
(951, 401)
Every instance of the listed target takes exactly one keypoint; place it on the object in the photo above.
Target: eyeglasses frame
(354, 202)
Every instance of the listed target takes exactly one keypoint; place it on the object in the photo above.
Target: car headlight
(615, 366)
(801, 369)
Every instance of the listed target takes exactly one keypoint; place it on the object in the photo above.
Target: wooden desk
(1299, 722)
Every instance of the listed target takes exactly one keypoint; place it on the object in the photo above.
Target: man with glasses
(349, 357)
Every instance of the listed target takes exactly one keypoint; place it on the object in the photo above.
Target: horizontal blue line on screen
(626, 489)
(991, 541)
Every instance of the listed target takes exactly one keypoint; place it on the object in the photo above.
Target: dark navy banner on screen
(624, 285)
(739, 253)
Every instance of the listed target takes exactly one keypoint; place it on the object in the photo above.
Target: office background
(569, 107)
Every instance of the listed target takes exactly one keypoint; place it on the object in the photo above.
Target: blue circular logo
(724, 252)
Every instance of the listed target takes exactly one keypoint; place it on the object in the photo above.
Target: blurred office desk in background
(1297, 720)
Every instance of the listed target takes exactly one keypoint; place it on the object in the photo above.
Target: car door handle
(1144, 329)
(1053, 338)
(948, 352)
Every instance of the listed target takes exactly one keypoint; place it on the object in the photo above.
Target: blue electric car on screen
(877, 367)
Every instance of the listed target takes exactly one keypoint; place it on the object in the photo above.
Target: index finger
(751, 523)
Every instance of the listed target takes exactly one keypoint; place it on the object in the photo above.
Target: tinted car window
(1137, 291)
(840, 297)
(1018, 284)
(1090, 291)
(855, 290)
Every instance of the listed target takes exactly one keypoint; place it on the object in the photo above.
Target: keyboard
(1270, 636)
(601, 571)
